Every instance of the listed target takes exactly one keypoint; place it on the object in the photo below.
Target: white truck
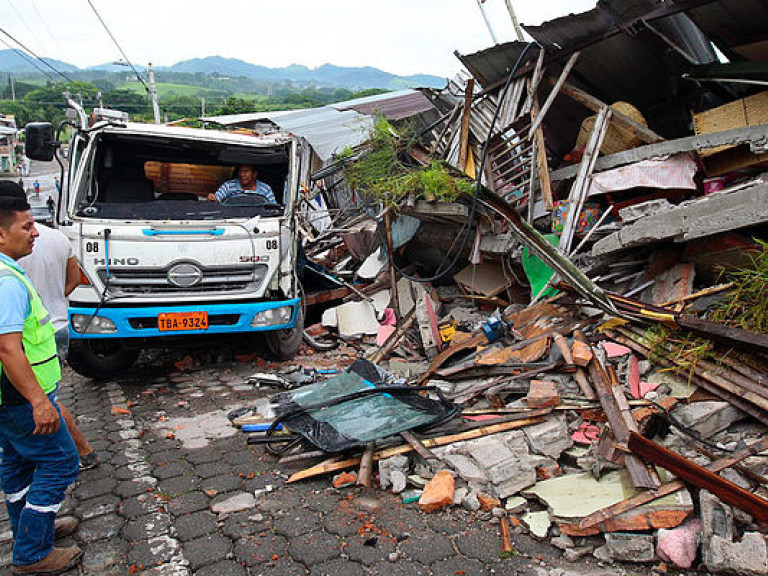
(158, 260)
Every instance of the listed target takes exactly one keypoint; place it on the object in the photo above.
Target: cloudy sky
(399, 36)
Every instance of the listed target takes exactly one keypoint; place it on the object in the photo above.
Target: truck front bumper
(141, 322)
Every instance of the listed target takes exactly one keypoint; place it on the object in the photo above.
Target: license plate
(175, 321)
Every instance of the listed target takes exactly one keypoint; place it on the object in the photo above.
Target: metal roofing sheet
(329, 131)
(392, 105)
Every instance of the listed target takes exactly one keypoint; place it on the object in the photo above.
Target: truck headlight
(87, 324)
(272, 317)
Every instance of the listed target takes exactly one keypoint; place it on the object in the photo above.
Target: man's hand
(212, 197)
(47, 420)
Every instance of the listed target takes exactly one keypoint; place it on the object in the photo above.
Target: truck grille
(156, 280)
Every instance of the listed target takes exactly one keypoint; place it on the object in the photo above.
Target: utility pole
(515, 23)
(202, 110)
(153, 94)
(13, 89)
(487, 22)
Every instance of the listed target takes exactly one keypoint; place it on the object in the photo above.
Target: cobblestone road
(179, 492)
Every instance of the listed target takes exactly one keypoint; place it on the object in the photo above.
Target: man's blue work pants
(35, 471)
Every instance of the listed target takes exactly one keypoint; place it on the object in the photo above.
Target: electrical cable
(30, 61)
(478, 180)
(67, 78)
(109, 32)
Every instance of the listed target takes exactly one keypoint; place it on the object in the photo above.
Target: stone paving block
(368, 550)
(145, 527)
(179, 485)
(206, 550)
(399, 568)
(103, 527)
(222, 483)
(95, 488)
(340, 523)
(299, 521)
(207, 469)
(153, 551)
(244, 524)
(188, 503)
(426, 549)
(628, 547)
(189, 527)
(98, 556)
(139, 505)
(482, 545)
(172, 469)
(314, 548)
(99, 506)
(203, 456)
(459, 565)
(257, 550)
(337, 567)
(135, 487)
(447, 522)
(226, 568)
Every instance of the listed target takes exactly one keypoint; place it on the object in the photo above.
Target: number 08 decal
(271, 244)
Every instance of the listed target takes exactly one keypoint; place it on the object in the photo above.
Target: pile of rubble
(558, 348)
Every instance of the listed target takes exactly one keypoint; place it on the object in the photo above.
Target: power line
(50, 33)
(104, 24)
(67, 78)
(29, 60)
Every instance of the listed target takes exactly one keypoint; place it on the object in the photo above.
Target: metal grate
(155, 280)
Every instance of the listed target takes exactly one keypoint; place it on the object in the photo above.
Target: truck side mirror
(39, 141)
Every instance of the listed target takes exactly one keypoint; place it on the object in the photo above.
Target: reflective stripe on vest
(38, 337)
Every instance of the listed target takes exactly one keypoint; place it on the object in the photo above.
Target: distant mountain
(11, 61)
(327, 74)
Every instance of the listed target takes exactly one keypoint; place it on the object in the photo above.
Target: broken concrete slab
(236, 503)
(467, 470)
(388, 466)
(538, 523)
(716, 517)
(708, 418)
(357, 318)
(550, 438)
(749, 557)
(703, 217)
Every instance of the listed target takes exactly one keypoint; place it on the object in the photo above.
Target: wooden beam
(582, 97)
(700, 477)
(326, 467)
(553, 94)
(541, 156)
(465, 117)
(670, 487)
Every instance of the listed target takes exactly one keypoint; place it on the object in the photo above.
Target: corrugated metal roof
(391, 105)
(329, 131)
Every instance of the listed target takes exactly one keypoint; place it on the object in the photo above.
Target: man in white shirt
(53, 269)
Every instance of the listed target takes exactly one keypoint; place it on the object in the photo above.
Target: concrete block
(467, 470)
(511, 476)
(746, 558)
(549, 438)
(388, 466)
(626, 547)
(716, 519)
(649, 208)
(708, 418)
(488, 452)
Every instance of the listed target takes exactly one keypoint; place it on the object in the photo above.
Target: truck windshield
(136, 179)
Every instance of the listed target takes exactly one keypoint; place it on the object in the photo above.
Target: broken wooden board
(575, 496)
(487, 279)
(326, 467)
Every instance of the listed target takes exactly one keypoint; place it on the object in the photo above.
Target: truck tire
(283, 344)
(100, 359)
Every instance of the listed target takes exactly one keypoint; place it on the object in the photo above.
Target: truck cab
(160, 259)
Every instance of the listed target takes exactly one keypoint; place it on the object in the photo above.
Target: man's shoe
(64, 526)
(89, 461)
(58, 561)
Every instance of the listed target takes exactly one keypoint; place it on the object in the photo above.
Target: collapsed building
(585, 316)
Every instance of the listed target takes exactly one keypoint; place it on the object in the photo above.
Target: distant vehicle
(158, 261)
(42, 207)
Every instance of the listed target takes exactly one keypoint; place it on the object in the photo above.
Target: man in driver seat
(245, 183)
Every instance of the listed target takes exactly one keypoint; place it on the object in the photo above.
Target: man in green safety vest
(39, 458)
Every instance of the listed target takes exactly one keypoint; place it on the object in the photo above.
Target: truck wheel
(283, 344)
(100, 358)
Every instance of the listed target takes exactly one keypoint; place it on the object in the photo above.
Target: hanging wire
(50, 33)
(114, 40)
(29, 60)
(60, 73)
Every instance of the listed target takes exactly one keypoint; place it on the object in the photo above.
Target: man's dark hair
(12, 189)
(9, 207)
